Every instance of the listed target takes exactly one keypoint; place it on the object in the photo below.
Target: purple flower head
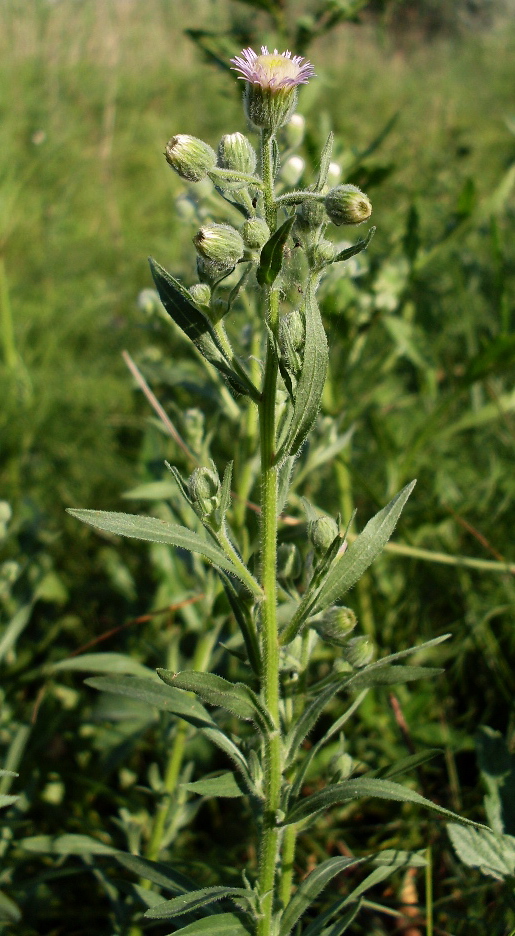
(273, 71)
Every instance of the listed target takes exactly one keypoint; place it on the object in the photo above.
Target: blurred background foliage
(422, 332)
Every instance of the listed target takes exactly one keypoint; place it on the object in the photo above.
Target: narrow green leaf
(66, 845)
(220, 924)
(399, 858)
(271, 258)
(236, 698)
(189, 903)
(157, 872)
(392, 675)
(361, 553)
(244, 620)
(318, 926)
(325, 162)
(310, 384)
(356, 789)
(310, 888)
(356, 248)
(225, 785)
(156, 531)
(153, 692)
(100, 663)
(341, 925)
(6, 799)
(409, 763)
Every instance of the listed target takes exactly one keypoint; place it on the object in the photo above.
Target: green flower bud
(341, 767)
(289, 563)
(190, 157)
(236, 152)
(336, 624)
(255, 233)
(322, 253)
(358, 651)
(321, 533)
(347, 204)
(294, 131)
(310, 215)
(220, 244)
(204, 489)
(201, 293)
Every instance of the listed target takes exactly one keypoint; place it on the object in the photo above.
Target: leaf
(236, 698)
(180, 306)
(310, 384)
(325, 162)
(155, 531)
(66, 845)
(244, 620)
(152, 692)
(6, 799)
(317, 926)
(15, 628)
(361, 553)
(492, 853)
(189, 903)
(310, 888)
(410, 763)
(356, 789)
(391, 675)
(272, 255)
(225, 785)
(100, 663)
(341, 925)
(221, 924)
(356, 248)
(157, 872)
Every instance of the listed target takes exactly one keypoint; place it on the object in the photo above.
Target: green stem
(267, 171)
(270, 644)
(6, 320)
(244, 573)
(287, 860)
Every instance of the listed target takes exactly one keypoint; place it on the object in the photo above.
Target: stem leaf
(221, 924)
(189, 903)
(225, 785)
(356, 248)
(271, 258)
(309, 890)
(236, 698)
(161, 874)
(152, 692)
(156, 531)
(325, 162)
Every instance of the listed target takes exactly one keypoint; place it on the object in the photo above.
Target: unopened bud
(294, 131)
(236, 152)
(310, 215)
(255, 233)
(268, 109)
(292, 331)
(347, 204)
(220, 244)
(201, 293)
(321, 533)
(358, 651)
(204, 489)
(336, 624)
(322, 253)
(190, 157)
(341, 767)
(289, 563)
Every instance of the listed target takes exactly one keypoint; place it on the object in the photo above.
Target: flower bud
(289, 563)
(201, 293)
(292, 170)
(190, 157)
(322, 253)
(341, 767)
(255, 233)
(321, 533)
(220, 244)
(236, 152)
(310, 215)
(347, 204)
(358, 651)
(294, 131)
(204, 489)
(336, 624)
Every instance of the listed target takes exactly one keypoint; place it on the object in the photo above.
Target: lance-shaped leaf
(311, 380)
(309, 890)
(220, 924)
(155, 693)
(318, 926)
(195, 900)
(391, 676)
(244, 620)
(225, 785)
(272, 255)
(339, 926)
(236, 698)
(349, 790)
(196, 326)
(158, 531)
(356, 248)
(159, 873)
(325, 162)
